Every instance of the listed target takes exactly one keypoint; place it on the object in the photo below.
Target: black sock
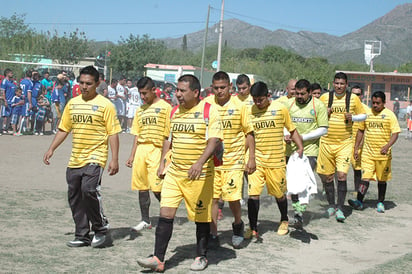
(381, 191)
(342, 189)
(157, 195)
(357, 174)
(253, 212)
(363, 189)
(295, 198)
(238, 229)
(164, 231)
(202, 238)
(330, 192)
(283, 208)
(144, 202)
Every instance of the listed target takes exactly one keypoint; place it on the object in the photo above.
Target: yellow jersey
(378, 128)
(152, 123)
(268, 127)
(189, 135)
(91, 123)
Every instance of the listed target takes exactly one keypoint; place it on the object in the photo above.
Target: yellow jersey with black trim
(378, 128)
(268, 127)
(235, 125)
(339, 129)
(355, 125)
(91, 123)
(247, 100)
(189, 135)
(151, 123)
(307, 118)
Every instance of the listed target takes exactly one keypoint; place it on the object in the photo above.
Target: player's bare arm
(251, 164)
(129, 162)
(392, 140)
(358, 142)
(57, 141)
(196, 169)
(297, 139)
(165, 148)
(114, 147)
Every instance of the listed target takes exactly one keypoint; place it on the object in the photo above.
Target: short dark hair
(192, 80)
(101, 75)
(259, 89)
(315, 86)
(221, 75)
(303, 83)
(90, 70)
(341, 75)
(145, 82)
(242, 78)
(28, 73)
(7, 71)
(357, 87)
(379, 94)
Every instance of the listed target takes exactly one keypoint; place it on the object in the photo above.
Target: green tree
(134, 52)
(184, 43)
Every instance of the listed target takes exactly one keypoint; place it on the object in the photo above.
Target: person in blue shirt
(8, 89)
(36, 91)
(17, 103)
(47, 83)
(26, 86)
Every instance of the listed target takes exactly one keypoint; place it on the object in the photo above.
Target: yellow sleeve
(394, 124)
(110, 118)
(166, 132)
(66, 122)
(245, 120)
(358, 106)
(135, 130)
(288, 121)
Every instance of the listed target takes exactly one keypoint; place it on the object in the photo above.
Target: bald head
(290, 88)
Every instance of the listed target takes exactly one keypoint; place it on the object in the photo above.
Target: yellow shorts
(334, 157)
(145, 165)
(382, 168)
(356, 164)
(228, 185)
(275, 179)
(197, 194)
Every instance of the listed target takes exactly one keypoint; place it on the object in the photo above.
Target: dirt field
(36, 224)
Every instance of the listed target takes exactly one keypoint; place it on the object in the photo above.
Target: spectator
(17, 104)
(102, 88)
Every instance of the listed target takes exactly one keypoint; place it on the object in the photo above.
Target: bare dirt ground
(35, 224)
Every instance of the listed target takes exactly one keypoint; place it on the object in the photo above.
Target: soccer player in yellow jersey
(268, 119)
(151, 127)
(356, 164)
(335, 148)
(243, 90)
(310, 117)
(191, 173)
(92, 120)
(379, 133)
(229, 177)
(290, 92)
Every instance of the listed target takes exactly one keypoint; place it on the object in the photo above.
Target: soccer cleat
(36, 133)
(77, 243)
(142, 225)
(283, 228)
(250, 233)
(199, 264)
(380, 207)
(153, 263)
(98, 240)
(340, 217)
(298, 221)
(356, 204)
(330, 212)
(41, 133)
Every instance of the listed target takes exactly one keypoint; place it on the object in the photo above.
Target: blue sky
(109, 20)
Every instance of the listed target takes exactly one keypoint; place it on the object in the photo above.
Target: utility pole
(219, 49)
(204, 47)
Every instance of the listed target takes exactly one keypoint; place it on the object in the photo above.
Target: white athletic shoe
(98, 240)
(237, 241)
(142, 225)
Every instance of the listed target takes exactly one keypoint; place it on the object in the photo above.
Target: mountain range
(394, 30)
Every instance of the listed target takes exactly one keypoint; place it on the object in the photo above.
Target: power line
(117, 23)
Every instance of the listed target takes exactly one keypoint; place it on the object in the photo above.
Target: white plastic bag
(300, 178)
